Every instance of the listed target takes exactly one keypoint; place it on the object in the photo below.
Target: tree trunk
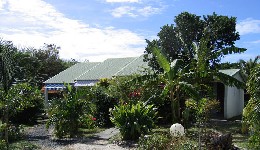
(175, 104)
(6, 122)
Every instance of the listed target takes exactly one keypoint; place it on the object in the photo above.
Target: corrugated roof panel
(135, 67)
(106, 69)
(229, 72)
(70, 74)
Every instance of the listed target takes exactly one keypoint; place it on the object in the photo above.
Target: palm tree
(247, 66)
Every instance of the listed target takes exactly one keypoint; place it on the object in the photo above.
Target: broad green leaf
(161, 59)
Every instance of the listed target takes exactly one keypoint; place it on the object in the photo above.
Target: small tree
(65, 113)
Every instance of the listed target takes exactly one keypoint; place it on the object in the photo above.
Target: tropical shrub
(160, 141)
(22, 98)
(133, 119)
(251, 113)
(202, 110)
(103, 103)
(26, 102)
(88, 121)
(65, 113)
(14, 132)
(155, 141)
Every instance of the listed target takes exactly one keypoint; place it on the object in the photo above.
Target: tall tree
(7, 65)
(37, 65)
(176, 40)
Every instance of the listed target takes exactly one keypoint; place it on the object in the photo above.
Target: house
(88, 73)
(231, 98)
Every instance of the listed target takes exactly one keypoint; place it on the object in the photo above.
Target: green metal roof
(70, 74)
(88, 71)
(134, 67)
(107, 69)
(230, 72)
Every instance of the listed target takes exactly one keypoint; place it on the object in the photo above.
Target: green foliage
(19, 145)
(174, 80)
(159, 141)
(176, 40)
(247, 66)
(133, 119)
(7, 64)
(66, 113)
(202, 108)
(33, 65)
(14, 131)
(251, 113)
(25, 102)
(155, 141)
(3, 145)
(87, 121)
(103, 103)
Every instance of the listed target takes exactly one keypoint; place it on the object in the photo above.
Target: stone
(177, 130)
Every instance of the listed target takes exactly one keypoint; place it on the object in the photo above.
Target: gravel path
(42, 137)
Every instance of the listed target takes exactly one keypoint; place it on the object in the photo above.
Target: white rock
(177, 130)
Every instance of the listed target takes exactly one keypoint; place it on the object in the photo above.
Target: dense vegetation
(177, 88)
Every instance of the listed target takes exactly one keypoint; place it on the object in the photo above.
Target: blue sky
(98, 29)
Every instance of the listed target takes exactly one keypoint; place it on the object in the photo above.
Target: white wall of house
(234, 100)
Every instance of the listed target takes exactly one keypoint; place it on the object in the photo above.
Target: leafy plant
(65, 113)
(175, 81)
(251, 113)
(155, 141)
(103, 103)
(88, 121)
(202, 110)
(160, 141)
(133, 119)
(25, 102)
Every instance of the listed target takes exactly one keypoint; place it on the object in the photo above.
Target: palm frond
(229, 80)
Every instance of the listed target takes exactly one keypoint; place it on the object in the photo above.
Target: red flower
(94, 119)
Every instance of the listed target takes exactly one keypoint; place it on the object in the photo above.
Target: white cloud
(149, 10)
(135, 11)
(122, 1)
(34, 22)
(123, 10)
(248, 26)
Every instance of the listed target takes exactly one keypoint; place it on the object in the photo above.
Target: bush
(14, 132)
(25, 102)
(154, 141)
(133, 119)
(251, 113)
(103, 103)
(65, 113)
(159, 141)
(88, 121)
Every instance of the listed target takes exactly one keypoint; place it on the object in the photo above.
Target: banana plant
(175, 81)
